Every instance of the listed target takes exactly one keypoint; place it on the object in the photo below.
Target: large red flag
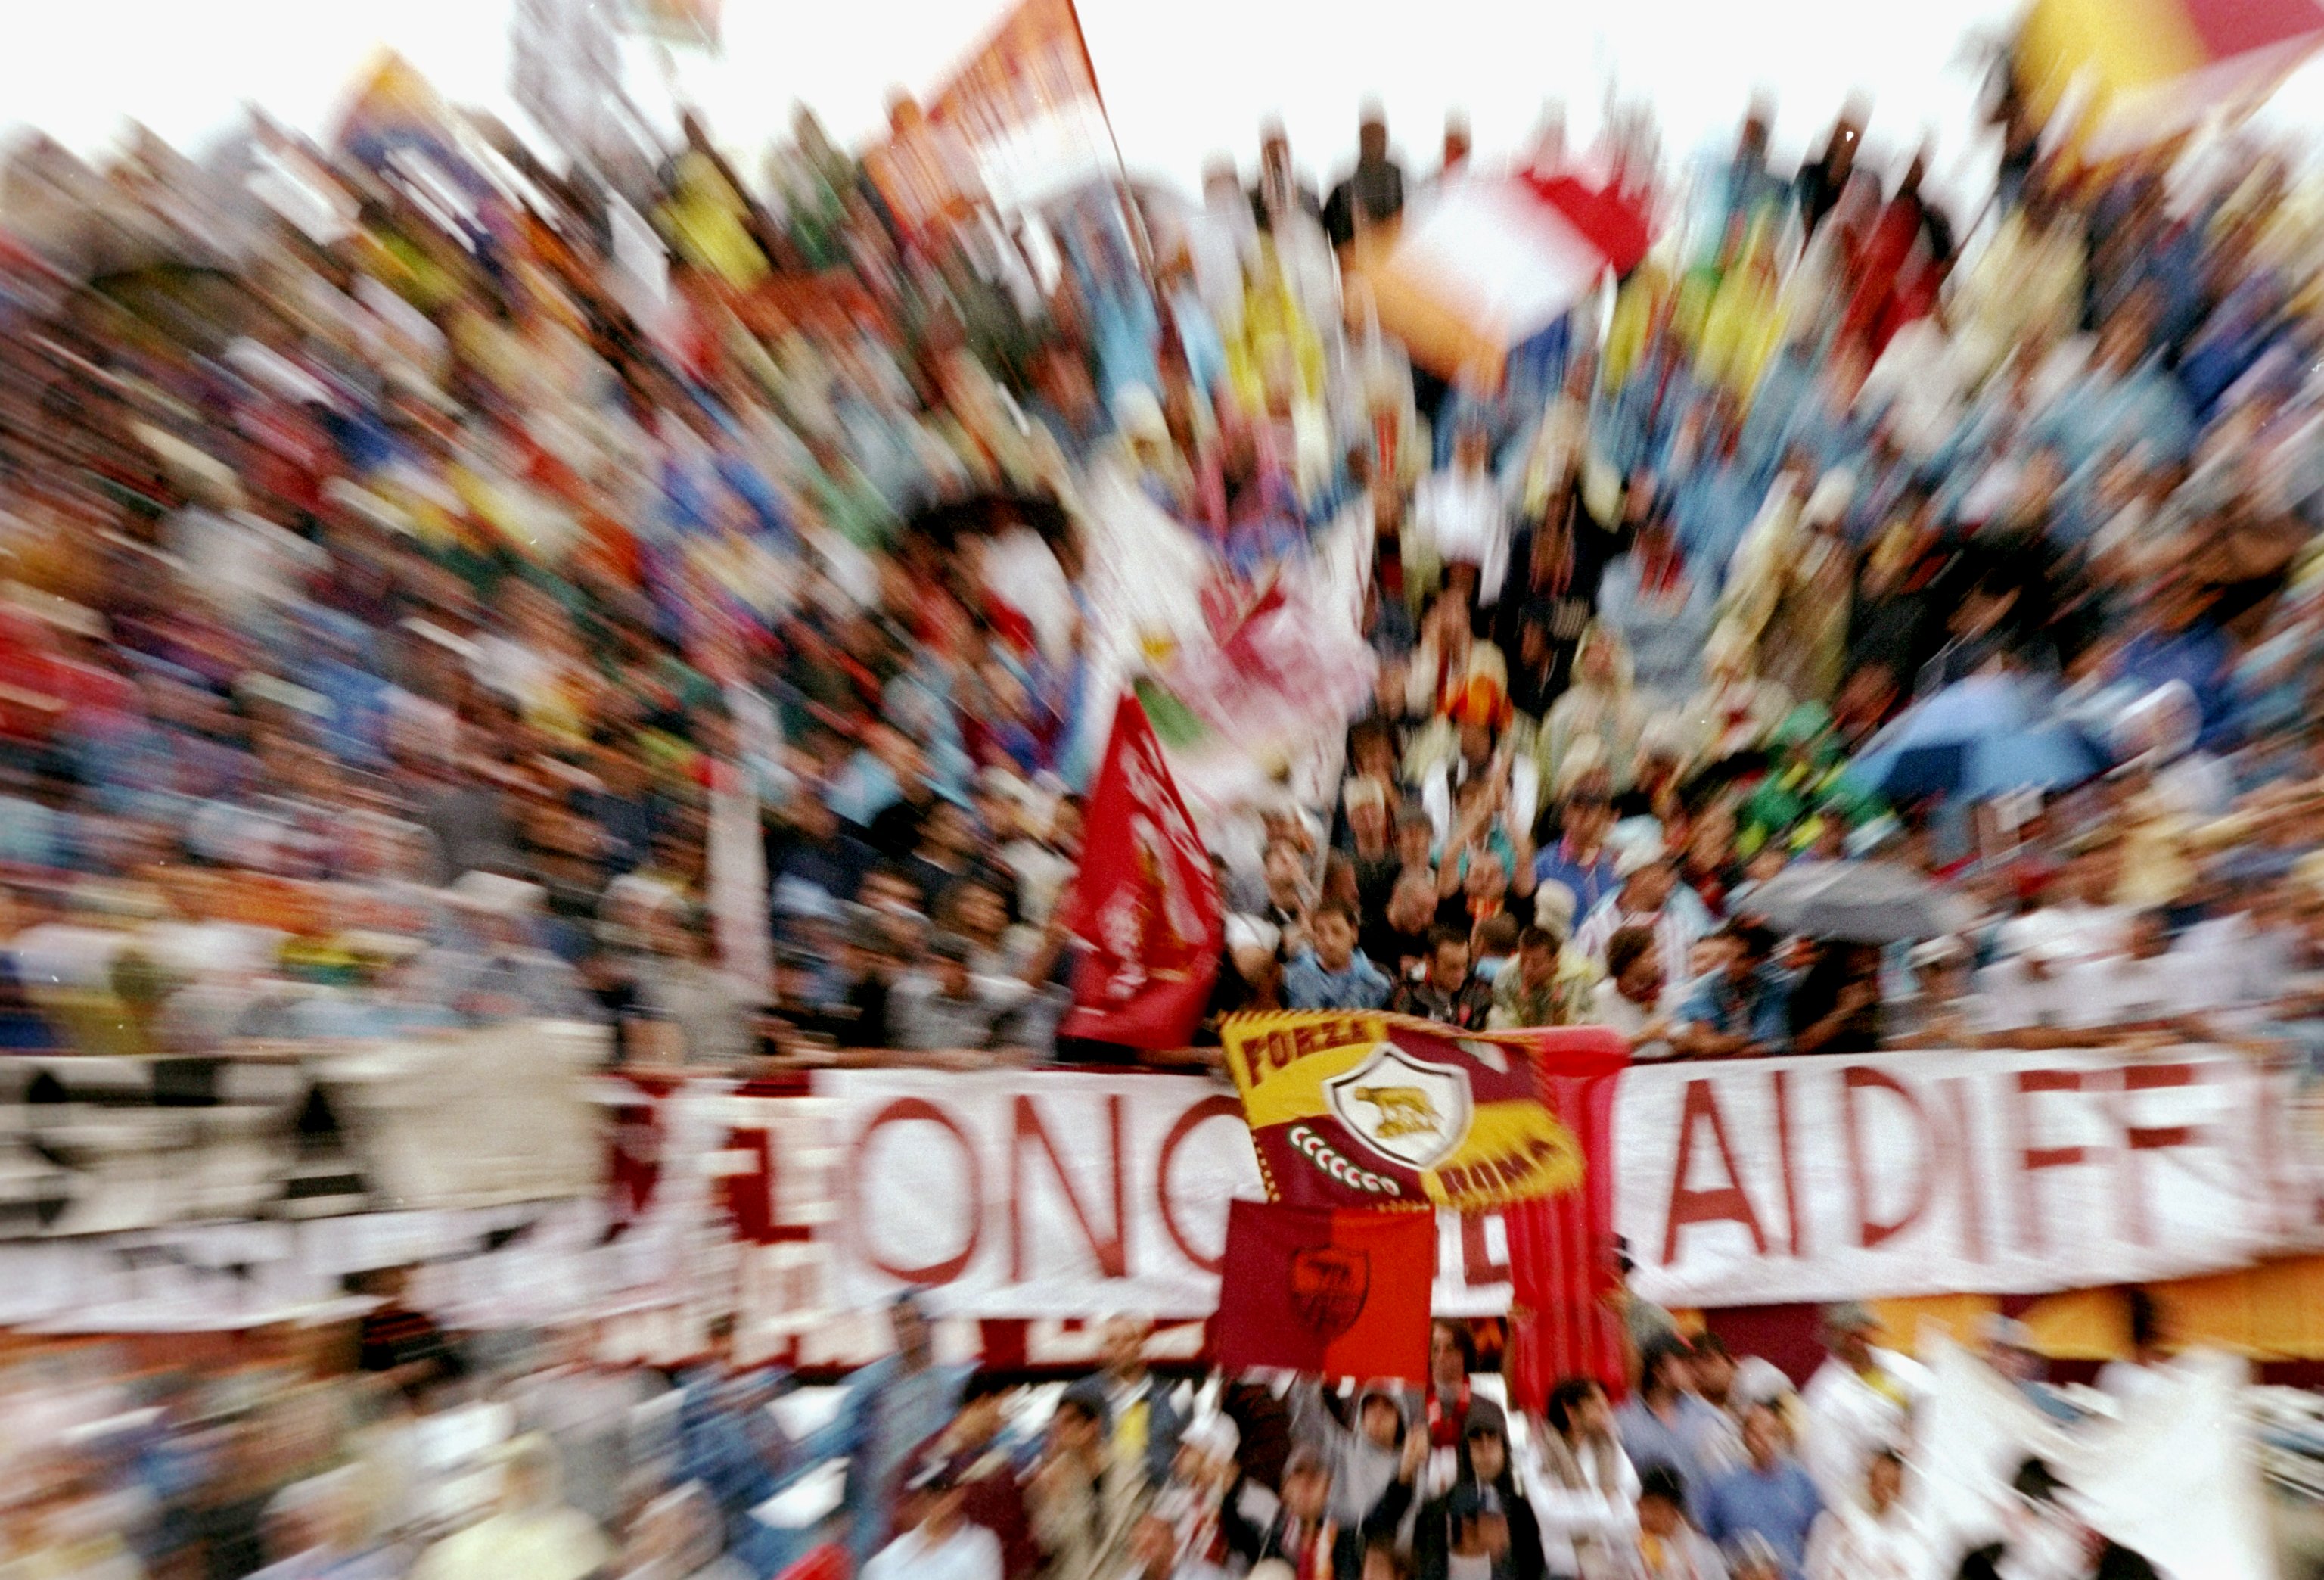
(1145, 903)
(1333, 1294)
(1563, 1260)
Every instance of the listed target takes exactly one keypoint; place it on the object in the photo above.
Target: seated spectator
(1740, 1006)
(1670, 1547)
(1447, 992)
(1585, 1496)
(1666, 1426)
(1331, 973)
(1632, 994)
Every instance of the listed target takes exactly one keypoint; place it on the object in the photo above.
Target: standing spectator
(893, 1405)
(1770, 1496)
(1374, 194)
(1649, 898)
(1300, 1534)
(944, 1006)
(1482, 1525)
(1396, 939)
(1858, 1404)
(1586, 1494)
(1835, 1006)
(1545, 986)
(1363, 1457)
(1579, 857)
(1739, 1007)
(1459, 517)
(1147, 1417)
(1631, 997)
(1444, 1405)
(1874, 1537)
(1083, 1500)
(1331, 973)
(1449, 993)
(982, 1468)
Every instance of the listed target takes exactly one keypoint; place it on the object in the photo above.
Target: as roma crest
(1405, 1109)
(1328, 1285)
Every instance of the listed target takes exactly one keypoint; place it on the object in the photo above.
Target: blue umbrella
(1984, 736)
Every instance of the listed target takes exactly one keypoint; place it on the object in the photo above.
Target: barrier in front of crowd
(528, 1189)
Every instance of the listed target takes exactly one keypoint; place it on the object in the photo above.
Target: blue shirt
(1759, 1010)
(1589, 883)
(1779, 1505)
(1358, 986)
(1689, 1445)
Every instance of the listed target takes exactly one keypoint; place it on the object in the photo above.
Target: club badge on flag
(1383, 1111)
(1332, 1294)
(1145, 900)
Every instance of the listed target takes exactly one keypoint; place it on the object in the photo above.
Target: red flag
(1145, 901)
(1562, 1252)
(1333, 1294)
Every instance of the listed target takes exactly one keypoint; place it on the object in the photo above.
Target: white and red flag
(1489, 262)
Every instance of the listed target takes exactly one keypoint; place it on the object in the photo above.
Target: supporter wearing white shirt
(1460, 513)
(1584, 1488)
(1875, 1538)
(1631, 997)
(2146, 986)
(1859, 1403)
(943, 1546)
(2085, 921)
(2026, 999)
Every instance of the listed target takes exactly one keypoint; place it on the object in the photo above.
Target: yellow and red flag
(2154, 68)
(1384, 1111)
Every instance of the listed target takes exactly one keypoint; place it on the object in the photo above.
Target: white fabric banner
(1823, 1178)
(1063, 1194)
(2175, 1477)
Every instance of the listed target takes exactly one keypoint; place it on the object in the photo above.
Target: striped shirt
(1675, 930)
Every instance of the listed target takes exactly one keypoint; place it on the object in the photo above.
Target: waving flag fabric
(1145, 903)
(1374, 1110)
(1490, 262)
(1328, 1294)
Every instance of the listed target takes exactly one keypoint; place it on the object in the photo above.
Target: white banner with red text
(1064, 1194)
(1768, 1181)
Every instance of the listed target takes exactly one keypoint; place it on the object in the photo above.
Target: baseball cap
(1849, 1316)
(1639, 854)
(1938, 951)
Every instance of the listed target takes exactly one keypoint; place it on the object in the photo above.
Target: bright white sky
(1181, 79)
